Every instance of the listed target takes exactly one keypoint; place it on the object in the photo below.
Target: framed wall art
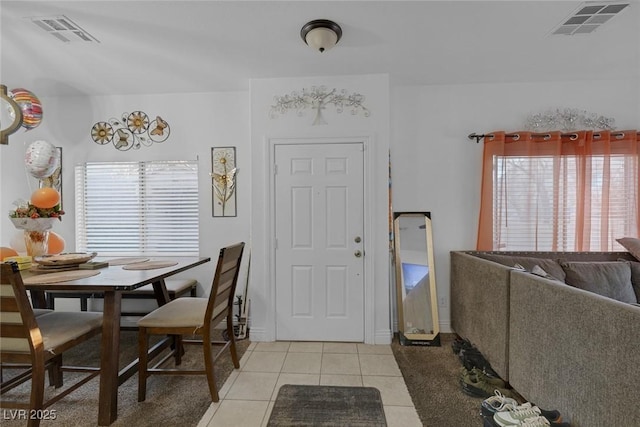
(223, 181)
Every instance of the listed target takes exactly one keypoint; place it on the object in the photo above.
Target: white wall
(436, 168)
(198, 122)
(375, 89)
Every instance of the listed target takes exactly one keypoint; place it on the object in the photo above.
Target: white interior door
(319, 242)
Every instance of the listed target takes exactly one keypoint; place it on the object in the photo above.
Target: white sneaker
(539, 421)
(515, 416)
(496, 403)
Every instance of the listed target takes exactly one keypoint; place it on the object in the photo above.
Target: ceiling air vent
(64, 29)
(588, 17)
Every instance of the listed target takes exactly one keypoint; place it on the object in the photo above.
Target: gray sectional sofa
(559, 346)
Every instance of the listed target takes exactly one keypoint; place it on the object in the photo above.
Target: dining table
(111, 281)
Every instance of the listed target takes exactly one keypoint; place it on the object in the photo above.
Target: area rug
(312, 405)
(171, 400)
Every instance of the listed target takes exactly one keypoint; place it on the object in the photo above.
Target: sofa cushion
(550, 266)
(635, 276)
(610, 279)
(632, 245)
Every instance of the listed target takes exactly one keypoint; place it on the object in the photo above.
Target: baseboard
(382, 337)
(259, 335)
(445, 327)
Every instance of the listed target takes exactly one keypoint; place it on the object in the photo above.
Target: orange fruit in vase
(6, 252)
(55, 244)
(45, 198)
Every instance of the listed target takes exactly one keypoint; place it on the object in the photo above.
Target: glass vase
(36, 242)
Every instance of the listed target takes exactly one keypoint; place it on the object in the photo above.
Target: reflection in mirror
(415, 279)
(10, 116)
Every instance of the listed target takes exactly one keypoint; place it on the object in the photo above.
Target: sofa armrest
(574, 351)
(480, 306)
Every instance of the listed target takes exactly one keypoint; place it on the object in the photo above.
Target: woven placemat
(61, 276)
(151, 265)
(126, 261)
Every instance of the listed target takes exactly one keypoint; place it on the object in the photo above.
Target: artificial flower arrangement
(36, 217)
(25, 209)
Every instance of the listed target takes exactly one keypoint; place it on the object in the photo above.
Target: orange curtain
(583, 148)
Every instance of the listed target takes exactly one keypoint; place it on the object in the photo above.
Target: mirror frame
(433, 338)
(17, 121)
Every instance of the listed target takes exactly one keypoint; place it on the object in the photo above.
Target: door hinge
(275, 169)
(275, 244)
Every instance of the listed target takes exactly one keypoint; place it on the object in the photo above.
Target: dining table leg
(109, 359)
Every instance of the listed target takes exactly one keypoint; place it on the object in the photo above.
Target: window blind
(537, 201)
(137, 208)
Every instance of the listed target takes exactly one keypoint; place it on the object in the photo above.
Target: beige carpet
(431, 375)
(171, 400)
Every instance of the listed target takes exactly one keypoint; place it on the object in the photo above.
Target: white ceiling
(203, 46)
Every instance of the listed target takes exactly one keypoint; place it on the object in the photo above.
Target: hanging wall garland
(318, 98)
(568, 119)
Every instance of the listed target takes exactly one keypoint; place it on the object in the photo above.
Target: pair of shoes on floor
(526, 415)
(473, 358)
(497, 402)
(538, 421)
(459, 344)
(476, 382)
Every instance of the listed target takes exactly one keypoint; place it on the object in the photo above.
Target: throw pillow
(609, 279)
(632, 245)
(548, 265)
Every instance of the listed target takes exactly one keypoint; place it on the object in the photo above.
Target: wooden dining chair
(193, 316)
(36, 344)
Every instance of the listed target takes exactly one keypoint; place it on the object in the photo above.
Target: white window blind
(537, 201)
(137, 208)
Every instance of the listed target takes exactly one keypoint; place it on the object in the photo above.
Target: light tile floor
(247, 397)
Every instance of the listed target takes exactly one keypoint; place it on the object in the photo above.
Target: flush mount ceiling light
(589, 17)
(321, 34)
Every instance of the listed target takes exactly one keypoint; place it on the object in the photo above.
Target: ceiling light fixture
(321, 34)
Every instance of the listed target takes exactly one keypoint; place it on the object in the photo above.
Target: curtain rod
(546, 135)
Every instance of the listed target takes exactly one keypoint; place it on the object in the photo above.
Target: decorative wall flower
(101, 133)
(223, 180)
(137, 122)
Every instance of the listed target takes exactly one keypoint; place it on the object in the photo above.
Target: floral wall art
(131, 130)
(318, 98)
(223, 181)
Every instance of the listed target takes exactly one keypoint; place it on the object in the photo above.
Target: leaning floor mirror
(415, 279)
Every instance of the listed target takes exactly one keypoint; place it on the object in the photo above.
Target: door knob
(358, 254)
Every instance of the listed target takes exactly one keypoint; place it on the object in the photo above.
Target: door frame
(369, 284)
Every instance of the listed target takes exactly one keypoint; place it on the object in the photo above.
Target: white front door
(319, 242)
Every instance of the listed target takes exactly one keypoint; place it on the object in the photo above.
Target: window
(562, 192)
(137, 208)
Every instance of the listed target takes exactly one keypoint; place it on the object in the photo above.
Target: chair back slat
(18, 326)
(224, 284)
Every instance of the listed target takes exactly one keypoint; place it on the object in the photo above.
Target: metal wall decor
(318, 98)
(568, 119)
(223, 180)
(131, 130)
